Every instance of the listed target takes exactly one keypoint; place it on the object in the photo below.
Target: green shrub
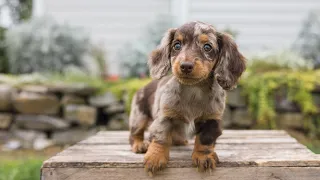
(24, 9)
(20, 169)
(261, 88)
(284, 70)
(43, 45)
(130, 87)
(308, 41)
(3, 58)
(282, 60)
(136, 53)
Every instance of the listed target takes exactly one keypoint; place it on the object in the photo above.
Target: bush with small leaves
(134, 58)
(43, 45)
(308, 42)
(3, 57)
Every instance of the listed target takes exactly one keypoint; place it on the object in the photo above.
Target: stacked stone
(38, 116)
(288, 113)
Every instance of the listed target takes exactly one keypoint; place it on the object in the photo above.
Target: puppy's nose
(186, 67)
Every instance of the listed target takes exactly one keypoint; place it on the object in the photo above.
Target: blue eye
(177, 46)
(207, 47)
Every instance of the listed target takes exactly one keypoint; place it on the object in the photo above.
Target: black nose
(186, 67)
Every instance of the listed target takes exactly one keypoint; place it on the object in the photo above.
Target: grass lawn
(312, 144)
(26, 169)
(24, 164)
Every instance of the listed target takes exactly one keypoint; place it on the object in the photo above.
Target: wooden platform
(244, 155)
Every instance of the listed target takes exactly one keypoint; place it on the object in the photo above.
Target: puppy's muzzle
(186, 67)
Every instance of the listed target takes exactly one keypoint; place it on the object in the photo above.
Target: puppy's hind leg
(138, 123)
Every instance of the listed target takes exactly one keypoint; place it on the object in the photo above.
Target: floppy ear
(159, 60)
(231, 62)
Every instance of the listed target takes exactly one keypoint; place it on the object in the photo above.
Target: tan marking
(169, 112)
(203, 38)
(139, 146)
(156, 157)
(217, 116)
(203, 156)
(201, 71)
(176, 68)
(179, 37)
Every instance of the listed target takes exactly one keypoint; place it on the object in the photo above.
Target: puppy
(204, 63)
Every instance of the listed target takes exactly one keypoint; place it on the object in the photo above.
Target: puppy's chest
(194, 97)
(194, 103)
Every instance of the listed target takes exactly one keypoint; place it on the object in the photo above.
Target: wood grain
(243, 154)
(240, 173)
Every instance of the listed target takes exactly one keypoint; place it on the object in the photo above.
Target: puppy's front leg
(203, 155)
(157, 155)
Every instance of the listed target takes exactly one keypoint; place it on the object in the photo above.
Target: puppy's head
(196, 50)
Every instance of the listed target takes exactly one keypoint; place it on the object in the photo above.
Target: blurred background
(69, 68)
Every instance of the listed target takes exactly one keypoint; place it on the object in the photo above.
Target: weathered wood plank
(228, 136)
(121, 156)
(243, 146)
(125, 140)
(240, 173)
(243, 155)
(226, 133)
(230, 154)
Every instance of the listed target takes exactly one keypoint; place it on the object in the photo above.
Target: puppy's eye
(177, 46)
(207, 47)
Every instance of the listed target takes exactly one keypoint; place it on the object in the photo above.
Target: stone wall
(37, 116)
(288, 113)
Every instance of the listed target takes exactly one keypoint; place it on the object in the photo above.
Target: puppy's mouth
(188, 77)
(189, 80)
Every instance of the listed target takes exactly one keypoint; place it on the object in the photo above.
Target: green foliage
(99, 57)
(3, 58)
(24, 9)
(263, 79)
(308, 42)
(20, 169)
(43, 45)
(130, 87)
(136, 53)
(282, 60)
(19, 10)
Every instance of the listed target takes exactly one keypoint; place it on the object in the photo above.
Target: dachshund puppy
(204, 63)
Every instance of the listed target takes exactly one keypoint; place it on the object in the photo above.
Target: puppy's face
(196, 50)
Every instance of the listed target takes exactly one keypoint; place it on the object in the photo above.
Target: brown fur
(157, 157)
(196, 97)
(203, 38)
(179, 37)
(203, 156)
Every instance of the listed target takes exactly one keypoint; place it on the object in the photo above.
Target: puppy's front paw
(156, 158)
(140, 146)
(205, 161)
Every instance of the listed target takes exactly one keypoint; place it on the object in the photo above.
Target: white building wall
(111, 22)
(261, 25)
